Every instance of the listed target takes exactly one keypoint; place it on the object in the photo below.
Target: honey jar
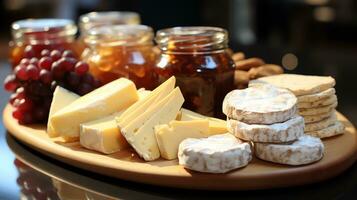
(200, 60)
(122, 51)
(31, 36)
(95, 19)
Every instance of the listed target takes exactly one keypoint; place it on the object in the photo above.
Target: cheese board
(340, 153)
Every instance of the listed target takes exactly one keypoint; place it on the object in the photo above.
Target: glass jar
(31, 36)
(199, 59)
(93, 19)
(122, 51)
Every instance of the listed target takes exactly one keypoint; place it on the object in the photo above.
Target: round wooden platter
(340, 153)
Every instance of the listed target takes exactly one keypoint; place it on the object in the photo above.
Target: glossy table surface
(34, 176)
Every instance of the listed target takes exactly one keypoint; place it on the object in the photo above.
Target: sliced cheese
(137, 108)
(103, 135)
(169, 136)
(110, 98)
(61, 98)
(140, 131)
(216, 126)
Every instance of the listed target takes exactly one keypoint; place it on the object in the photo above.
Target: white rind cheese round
(323, 102)
(299, 84)
(318, 117)
(261, 104)
(275, 133)
(317, 111)
(336, 129)
(215, 154)
(316, 96)
(321, 124)
(305, 150)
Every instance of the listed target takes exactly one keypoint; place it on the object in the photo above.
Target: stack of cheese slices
(266, 115)
(316, 101)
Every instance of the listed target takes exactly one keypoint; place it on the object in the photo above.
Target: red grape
(17, 114)
(45, 63)
(29, 52)
(68, 54)
(87, 78)
(45, 52)
(55, 55)
(53, 85)
(67, 64)
(81, 68)
(13, 97)
(40, 114)
(34, 61)
(33, 72)
(57, 72)
(20, 72)
(20, 93)
(25, 104)
(10, 83)
(25, 61)
(73, 79)
(45, 76)
(27, 118)
(84, 88)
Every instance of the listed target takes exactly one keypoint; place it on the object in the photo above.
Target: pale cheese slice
(110, 98)
(140, 132)
(216, 126)
(103, 135)
(169, 136)
(137, 108)
(61, 98)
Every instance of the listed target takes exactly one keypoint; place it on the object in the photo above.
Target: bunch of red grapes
(34, 79)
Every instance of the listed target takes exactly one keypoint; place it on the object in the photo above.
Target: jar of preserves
(200, 60)
(122, 51)
(94, 19)
(31, 36)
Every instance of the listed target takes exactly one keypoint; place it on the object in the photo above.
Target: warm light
(289, 61)
(324, 14)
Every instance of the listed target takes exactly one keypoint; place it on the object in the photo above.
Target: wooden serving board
(340, 153)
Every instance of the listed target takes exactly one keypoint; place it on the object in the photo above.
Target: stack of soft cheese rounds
(316, 101)
(266, 115)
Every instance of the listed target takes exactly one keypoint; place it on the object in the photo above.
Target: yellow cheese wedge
(110, 98)
(137, 108)
(140, 131)
(216, 126)
(61, 98)
(103, 135)
(169, 136)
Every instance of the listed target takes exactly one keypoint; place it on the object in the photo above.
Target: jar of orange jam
(94, 19)
(31, 36)
(199, 58)
(122, 51)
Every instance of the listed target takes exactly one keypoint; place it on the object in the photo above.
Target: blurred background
(305, 36)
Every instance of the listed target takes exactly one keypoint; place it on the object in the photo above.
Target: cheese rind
(140, 132)
(61, 98)
(110, 98)
(215, 154)
(169, 136)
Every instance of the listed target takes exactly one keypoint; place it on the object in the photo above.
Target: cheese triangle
(140, 132)
(137, 108)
